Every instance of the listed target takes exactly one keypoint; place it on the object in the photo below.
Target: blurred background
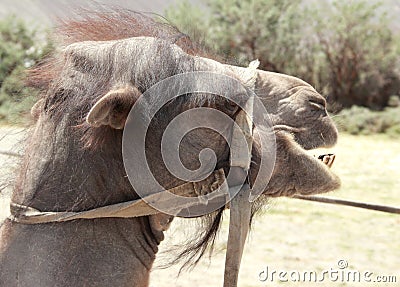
(349, 50)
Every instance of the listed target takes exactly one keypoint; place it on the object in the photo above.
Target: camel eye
(318, 105)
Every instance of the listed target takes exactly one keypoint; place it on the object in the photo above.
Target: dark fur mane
(109, 25)
(122, 24)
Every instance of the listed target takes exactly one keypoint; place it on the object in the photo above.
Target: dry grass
(305, 236)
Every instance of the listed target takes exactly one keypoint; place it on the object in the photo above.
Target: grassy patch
(302, 236)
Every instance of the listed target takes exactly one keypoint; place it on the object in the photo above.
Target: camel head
(301, 122)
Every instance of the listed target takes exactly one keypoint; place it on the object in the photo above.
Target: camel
(73, 158)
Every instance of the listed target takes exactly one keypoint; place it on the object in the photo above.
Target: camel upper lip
(293, 130)
(287, 128)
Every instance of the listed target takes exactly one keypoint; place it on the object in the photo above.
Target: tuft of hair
(117, 23)
(202, 242)
(106, 24)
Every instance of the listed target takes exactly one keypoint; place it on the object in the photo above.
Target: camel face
(296, 107)
(301, 122)
(299, 118)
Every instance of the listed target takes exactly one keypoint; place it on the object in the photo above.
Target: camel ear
(113, 108)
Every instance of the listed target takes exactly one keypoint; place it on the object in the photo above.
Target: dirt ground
(294, 238)
(10, 142)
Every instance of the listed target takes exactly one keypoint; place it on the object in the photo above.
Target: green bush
(243, 31)
(346, 49)
(356, 54)
(361, 120)
(20, 48)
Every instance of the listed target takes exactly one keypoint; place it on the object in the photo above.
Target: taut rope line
(359, 204)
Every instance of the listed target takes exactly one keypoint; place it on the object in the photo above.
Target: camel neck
(59, 174)
(99, 252)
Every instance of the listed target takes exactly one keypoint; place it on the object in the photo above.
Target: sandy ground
(297, 237)
(10, 142)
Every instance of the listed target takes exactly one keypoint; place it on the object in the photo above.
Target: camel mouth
(326, 157)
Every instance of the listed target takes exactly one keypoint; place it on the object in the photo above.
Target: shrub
(361, 120)
(358, 54)
(20, 48)
(343, 48)
(245, 30)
